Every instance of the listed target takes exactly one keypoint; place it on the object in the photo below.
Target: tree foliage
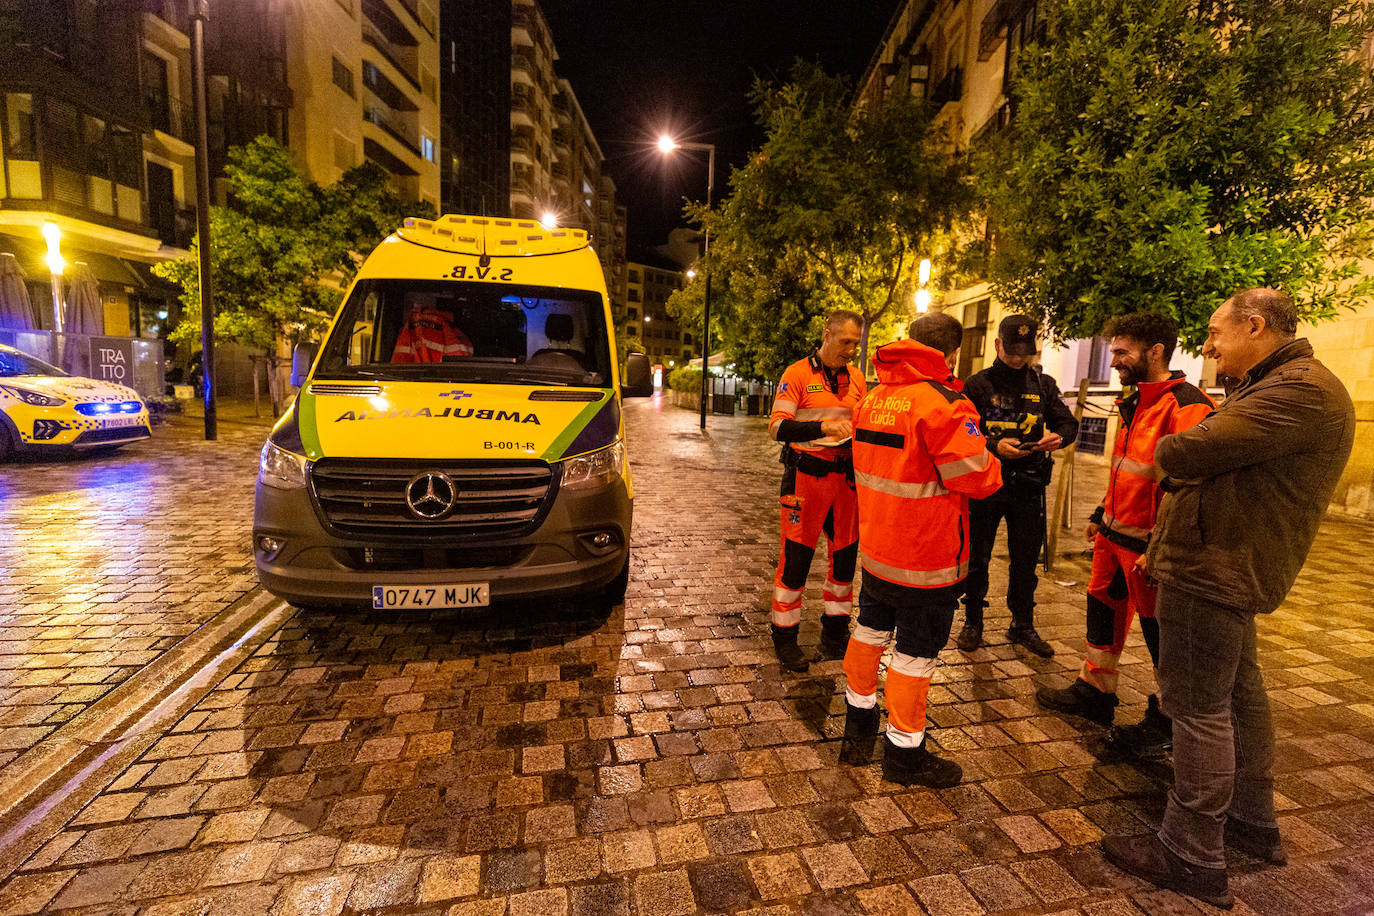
(835, 210)
(282, 250)
(1167, 153)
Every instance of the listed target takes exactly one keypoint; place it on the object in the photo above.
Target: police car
(43, 407)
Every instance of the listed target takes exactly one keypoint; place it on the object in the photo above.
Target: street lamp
(200, 11)
(666, 145)
(52, 234)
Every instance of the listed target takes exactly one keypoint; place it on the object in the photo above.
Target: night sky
(641, 67)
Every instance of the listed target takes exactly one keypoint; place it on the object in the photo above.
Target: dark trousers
(1210, 685)
(1022, 506)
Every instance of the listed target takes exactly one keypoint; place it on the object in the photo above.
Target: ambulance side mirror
(639, 378)
(302, 358)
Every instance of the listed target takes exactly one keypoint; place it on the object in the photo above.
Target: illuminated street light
(666, 145)
(925, 271)
(922, 300)
(549, 220)
(691, 275)
(52, 234)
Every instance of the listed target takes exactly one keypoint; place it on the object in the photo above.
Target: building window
(427, 148)
(634, 276)
(343, 77)
(345, 153)
(19, 143)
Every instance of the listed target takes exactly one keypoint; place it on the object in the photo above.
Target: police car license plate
(117, 422)
(469, 594)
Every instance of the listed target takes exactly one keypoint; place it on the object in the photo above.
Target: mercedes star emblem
(431, 495)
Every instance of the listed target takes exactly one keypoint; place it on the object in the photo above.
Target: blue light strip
(105, 408)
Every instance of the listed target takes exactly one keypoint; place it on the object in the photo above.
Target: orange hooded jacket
(1156, 409)
(919, 457)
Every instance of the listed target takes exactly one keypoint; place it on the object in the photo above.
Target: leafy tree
(1166, 153)
(282, 251)
(835, 210)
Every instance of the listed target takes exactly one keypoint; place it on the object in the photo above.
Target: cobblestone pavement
(110, 560)
(652, 758)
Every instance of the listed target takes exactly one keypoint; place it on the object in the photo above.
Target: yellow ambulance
(457, 437)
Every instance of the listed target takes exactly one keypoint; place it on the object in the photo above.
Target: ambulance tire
(7, 441)
(614, 592)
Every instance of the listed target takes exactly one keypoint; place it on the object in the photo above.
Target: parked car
(43, 407)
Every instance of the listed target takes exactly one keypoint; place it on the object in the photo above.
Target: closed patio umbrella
(16, 310)
(84, 317)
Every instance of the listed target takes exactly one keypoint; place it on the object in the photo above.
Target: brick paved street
(650, 759)
(110, 560)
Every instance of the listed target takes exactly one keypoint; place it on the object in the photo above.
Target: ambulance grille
(367, 498)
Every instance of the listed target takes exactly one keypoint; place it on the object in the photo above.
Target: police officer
(812, 416)
(918, 457)
(1025, 421)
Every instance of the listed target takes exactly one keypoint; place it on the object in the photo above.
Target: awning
(149, 281)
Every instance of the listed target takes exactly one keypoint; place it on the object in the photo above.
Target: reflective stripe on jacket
(1156, 409)
(428, 337)
(805, 394)
(919, 456)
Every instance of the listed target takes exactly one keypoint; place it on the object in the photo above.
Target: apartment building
(98, 134)
(961, 54)
(650, 281)
(514, 140)
(74, 127)
(366, 79)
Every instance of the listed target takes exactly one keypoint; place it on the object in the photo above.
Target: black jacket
(1020, 404)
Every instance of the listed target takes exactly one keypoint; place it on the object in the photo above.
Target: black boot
(1149, 739)
(971, 636)
(789, 653)
(1080, 699)
(1026, 636)
(834, 635)
(860, 734)
(908, 766)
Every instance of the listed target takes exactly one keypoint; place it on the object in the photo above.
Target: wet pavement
(110, 560)
(651, 758)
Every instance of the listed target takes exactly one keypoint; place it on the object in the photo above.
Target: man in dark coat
(1245, 491)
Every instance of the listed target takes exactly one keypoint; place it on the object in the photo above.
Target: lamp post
(199, 13)
(52, 234)
(666, 145)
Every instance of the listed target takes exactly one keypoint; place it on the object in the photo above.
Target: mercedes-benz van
(457, 436)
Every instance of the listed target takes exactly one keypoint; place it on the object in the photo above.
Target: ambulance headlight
(597, 469)
(280, 469)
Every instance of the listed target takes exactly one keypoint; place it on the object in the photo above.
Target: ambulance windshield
(453, 330)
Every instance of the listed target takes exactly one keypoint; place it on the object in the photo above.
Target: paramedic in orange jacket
(1163, 403)
(812, 416)
(919, 456)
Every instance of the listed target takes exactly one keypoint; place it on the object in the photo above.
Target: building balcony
(405, 60)
(392, 127)
(170, 117)
(950, 88)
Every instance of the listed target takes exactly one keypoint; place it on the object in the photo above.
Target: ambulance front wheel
(614, 592)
